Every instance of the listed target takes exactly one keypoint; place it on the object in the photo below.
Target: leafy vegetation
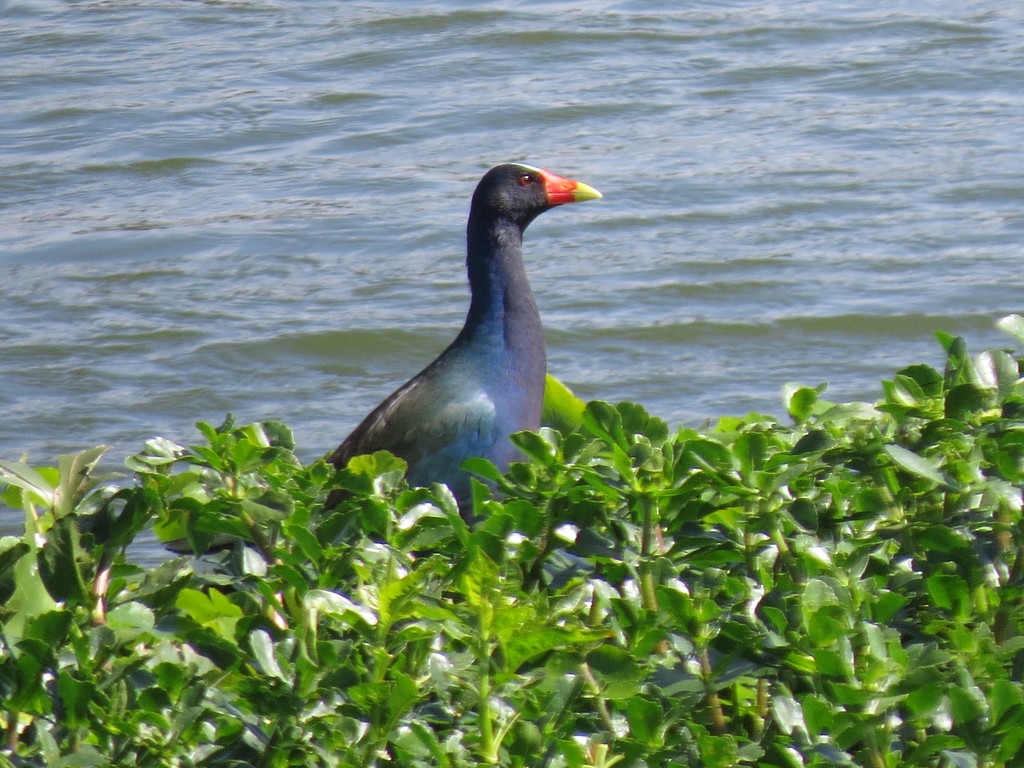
(844, 588)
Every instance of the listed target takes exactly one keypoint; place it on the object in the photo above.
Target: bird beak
(561, 190)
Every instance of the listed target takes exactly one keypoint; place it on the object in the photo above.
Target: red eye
(525, 179)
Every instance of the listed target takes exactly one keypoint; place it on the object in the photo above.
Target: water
(259, 207)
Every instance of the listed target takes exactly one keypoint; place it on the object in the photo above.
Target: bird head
(521, 192)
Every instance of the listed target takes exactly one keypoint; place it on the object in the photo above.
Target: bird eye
(525, 179)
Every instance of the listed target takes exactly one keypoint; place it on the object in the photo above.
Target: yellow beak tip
(585, 192)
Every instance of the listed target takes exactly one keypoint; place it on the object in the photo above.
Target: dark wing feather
(433, 428)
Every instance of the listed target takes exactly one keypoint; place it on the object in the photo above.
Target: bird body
(489, 382)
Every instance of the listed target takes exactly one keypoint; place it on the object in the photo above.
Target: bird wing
(434, 428)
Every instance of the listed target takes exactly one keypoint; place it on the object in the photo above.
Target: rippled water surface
(259, 207)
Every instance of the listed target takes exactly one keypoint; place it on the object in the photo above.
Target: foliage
(842, 590)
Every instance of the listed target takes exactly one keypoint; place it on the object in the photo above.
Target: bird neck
(502, 312)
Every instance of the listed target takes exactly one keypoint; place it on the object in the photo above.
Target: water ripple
(260, 207)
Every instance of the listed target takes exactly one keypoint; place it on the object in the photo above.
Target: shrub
(843, 588)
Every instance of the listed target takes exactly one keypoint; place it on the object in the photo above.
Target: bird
(489, 382)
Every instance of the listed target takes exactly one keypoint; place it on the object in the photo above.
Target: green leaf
(75, 695)
(964, 707)
(925, 698)
(482, 468)
(268, 509)
(751, 448)
(278, 434)
(51, 627)
(428, 740)
(707, 454)
(12, 551)
(616, 670)
(645, 718)
(801, 401)
(818, 714)
(562, 410)
(1006, 697)
(263, 649)
(28, 479)
(928, 381)
(211, 609)
(306, 542)
(717, 751)
(998, 370)
(964, 401)
(828, 624)
(805, 513)
(402, 694)
(814, 441)
(887, 605)
(1013, 325)
(130, 619)
(30, 597)
(817, 593)
(157, 454)
(960, 368)
(522, 646)
(788, 714)
(542, 447)
(334, 604)
(637, 421)
(603, 420)
(915, 464)
(58, 563)
(76, 478)
(950, 591)
(377, 464)
(831, 663)
(527, 740)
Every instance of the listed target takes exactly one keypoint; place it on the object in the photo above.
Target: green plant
(842, 588)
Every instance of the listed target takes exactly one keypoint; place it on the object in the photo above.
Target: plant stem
(647, 591)
(875, 759)
(595, 689)
(718, 723)
(762, 706)
(483, 693)
(488, 748)
(12, 730)
(786, 554)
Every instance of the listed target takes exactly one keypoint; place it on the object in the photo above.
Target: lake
(259, 207)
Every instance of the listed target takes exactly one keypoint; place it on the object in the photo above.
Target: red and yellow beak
(561, 190)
